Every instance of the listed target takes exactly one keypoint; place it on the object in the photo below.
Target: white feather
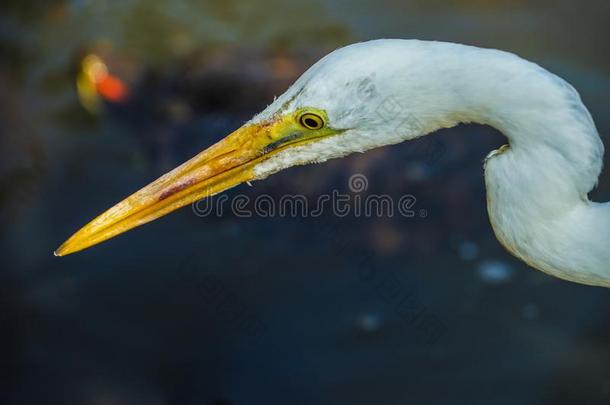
(388, 91)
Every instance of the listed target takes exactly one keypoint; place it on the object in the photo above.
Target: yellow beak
(224, 165)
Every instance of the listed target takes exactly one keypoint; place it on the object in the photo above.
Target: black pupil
(311, 123)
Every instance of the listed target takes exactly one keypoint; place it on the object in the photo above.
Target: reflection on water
(100, 97)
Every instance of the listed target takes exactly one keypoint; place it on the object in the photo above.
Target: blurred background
(97, 98)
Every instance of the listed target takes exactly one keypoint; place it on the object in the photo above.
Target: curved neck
(537, 185)
(543, 117)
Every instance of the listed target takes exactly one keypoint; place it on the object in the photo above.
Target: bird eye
(311, 121)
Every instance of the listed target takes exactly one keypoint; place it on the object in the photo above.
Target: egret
(537, 185)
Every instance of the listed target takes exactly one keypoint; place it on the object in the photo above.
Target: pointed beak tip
(62, 250)
(59, 252)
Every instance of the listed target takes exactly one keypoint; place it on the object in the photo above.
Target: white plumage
(388, 91)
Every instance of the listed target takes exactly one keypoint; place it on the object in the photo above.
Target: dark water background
(229, 310)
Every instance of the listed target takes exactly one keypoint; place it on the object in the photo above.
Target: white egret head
(364, 100)
(347, 102)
